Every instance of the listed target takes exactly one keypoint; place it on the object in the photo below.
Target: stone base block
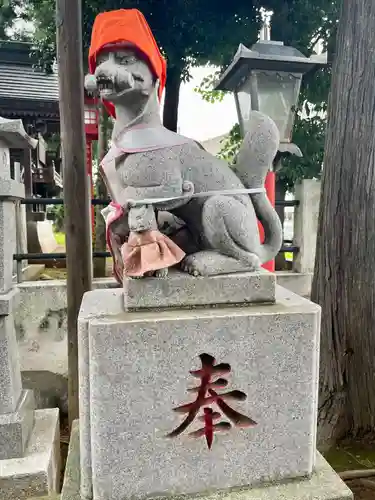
(183, 290)
(252, 369)
(15, 428)
(324, 484)
(38, 472)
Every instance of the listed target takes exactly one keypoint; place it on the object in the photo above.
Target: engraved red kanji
(206, 395)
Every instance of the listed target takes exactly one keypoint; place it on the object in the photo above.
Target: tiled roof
(18, 78)
(24, 82)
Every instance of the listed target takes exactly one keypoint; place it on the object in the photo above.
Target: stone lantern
(267, 78)
(29, 458)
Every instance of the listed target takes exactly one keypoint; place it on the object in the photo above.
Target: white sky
(202, 120)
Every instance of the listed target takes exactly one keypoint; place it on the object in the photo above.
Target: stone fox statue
(149, 163)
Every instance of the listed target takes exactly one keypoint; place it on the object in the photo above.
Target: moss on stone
(351, 457)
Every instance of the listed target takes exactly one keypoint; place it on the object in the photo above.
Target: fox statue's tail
(254, 159)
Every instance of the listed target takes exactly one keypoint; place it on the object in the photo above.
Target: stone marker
(202, 381)
(29, 439)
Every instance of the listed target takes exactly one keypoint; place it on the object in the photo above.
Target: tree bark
(101, 192)
(172, 98)
(343, 282)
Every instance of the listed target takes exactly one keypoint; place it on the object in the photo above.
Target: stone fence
(306, 216)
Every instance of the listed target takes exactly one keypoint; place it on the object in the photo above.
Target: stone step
(324, 484)
(37, 473)
(16, 427)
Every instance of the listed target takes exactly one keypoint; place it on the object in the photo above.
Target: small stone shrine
(201, 377)
(29, 438)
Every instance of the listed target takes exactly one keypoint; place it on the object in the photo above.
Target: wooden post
(76, 203)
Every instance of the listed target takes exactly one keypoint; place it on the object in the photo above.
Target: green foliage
(192, 32)
(189, 32)
(301, 23)
(231, 145)
(58, 214)
(309, 135)
(205, 88)
(60, 238)
(8, 14)
(42, 13)
(298, 23)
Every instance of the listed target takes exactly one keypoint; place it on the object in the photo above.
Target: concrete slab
(9, 301)
(299, 283)
(38, 472)
(15, 428)
(324, 484)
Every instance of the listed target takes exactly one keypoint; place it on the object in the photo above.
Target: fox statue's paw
(193, 265)
(161, 273)
(212, 263)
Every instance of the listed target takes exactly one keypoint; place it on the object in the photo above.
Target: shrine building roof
(24, 90)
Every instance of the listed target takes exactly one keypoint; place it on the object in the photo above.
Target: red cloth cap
(126, 26)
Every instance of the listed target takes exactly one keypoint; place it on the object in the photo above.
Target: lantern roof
(14, 135)
(266, 55)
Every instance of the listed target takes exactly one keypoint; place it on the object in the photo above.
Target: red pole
(270, 190)
(89, 171)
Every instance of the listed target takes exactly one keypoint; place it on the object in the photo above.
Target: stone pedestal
(29, 439)
(256, 363)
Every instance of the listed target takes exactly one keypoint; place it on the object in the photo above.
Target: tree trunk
(345, 266)
(172, 97)
(101, 192)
